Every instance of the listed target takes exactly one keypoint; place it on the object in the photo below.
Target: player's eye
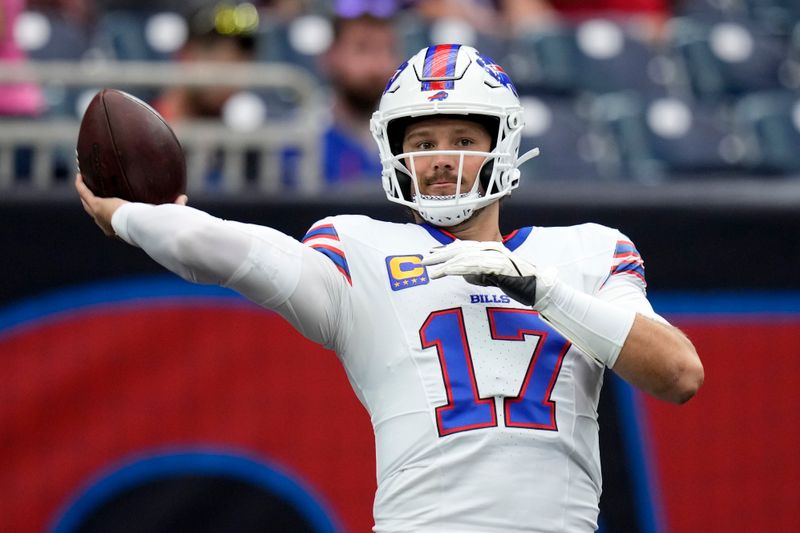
(465, 142)
(425, 145)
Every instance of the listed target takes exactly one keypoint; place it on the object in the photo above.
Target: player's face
(437, 174)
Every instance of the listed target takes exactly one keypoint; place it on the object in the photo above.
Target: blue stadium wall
(129, 393)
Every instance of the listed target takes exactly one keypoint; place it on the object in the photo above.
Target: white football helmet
(452, 80)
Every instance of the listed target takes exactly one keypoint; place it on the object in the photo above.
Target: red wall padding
(89, 389)
(729, 460)
(86, 390)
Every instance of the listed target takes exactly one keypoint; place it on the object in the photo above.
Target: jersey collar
(512, 240)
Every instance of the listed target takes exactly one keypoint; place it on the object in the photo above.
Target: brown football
(127, 150)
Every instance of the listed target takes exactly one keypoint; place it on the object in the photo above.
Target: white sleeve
(320, 306)
(624, 291)
(626, 286)
(264, 265)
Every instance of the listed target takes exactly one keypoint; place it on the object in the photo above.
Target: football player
(478, 356)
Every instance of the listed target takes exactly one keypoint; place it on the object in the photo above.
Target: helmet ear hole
(395, 131)
(492, 125)
(404, 182)
(486, 176)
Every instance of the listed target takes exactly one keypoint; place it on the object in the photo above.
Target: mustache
(441, 176)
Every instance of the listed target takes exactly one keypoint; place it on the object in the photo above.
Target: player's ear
(182, 199)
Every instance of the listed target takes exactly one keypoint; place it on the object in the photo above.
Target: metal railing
(50, 138)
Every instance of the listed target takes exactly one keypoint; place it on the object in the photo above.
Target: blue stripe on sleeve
(337, 259)
(323, 230)
(625, 248)
(629, 267)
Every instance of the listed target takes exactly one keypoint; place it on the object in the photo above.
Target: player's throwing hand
(102, 209)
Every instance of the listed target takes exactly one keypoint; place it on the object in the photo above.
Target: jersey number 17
(532, 407)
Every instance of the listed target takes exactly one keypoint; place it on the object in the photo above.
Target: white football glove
(491, 264)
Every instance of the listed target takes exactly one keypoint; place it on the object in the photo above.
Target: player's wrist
(598, 328)
(120, 216)
(546, 281)
(520, 288)
(531, 288)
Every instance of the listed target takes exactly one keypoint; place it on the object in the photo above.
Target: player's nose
(445, 161)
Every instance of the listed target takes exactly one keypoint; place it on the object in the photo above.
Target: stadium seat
(710, 10)
(597, 56)
(413, 32)
(123, 34)
(776, 16)
(65, 40)
(543, 61)
(727, 59)
(790, 75)
(614, 57)
(274, 45)
(60, 40)
(669, 138)
(769, 123)
(298, 42)
(568, 149)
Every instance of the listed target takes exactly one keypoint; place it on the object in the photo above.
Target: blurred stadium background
(132, 401)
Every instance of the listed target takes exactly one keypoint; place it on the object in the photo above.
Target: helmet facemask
(449, 210)
(473, 92)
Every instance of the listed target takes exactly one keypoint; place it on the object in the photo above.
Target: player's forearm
(191, 243)
(649, 354)
(660, 360)
(597, 327)
(260, 263)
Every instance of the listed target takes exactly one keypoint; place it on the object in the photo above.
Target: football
(127, 150)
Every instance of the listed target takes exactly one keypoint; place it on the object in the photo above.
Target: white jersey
(485, 417)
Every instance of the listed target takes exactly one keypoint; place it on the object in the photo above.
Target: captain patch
(406, 271)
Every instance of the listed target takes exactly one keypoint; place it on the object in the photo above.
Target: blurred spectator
(489, 16)
(364, 54)
(22, 99)
(376, 8)
(78, 12)
(649, 15)
(501, 17)
(612, 6)
(480, 14)
(178, 6)
(521, 15)
(283, 10)
(19, 99)
(205, 43)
